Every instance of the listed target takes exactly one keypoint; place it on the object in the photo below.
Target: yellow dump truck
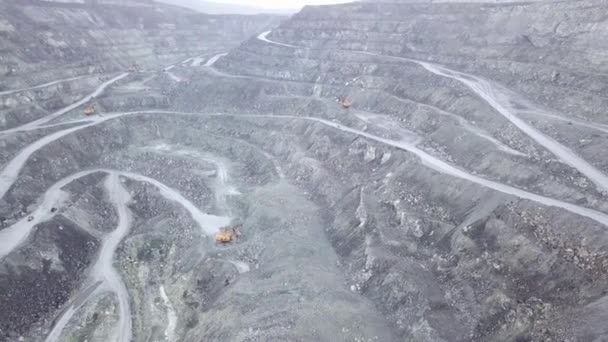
(228, 234)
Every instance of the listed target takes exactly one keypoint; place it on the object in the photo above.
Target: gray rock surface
(462, 196)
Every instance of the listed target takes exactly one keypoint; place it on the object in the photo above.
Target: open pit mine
(369, 171)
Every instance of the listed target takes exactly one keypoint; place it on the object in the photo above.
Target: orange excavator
(90, 110)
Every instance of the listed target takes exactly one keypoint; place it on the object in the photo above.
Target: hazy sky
(281, 3)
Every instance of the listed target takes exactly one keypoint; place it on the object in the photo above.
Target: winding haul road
(316, 95)
(103, 273)
(214, 59)
(54, 197)
(64, 110)
(222, 186)
(44, 85)
(209, 224)
(427, 159)
(541, 113)
(104, 270)
(64, 318)
(174, 77)
(11, 171)
(171, 315)
(107, 278)
(264, 37)
(14, 236)
(501, 102)
(465, 125)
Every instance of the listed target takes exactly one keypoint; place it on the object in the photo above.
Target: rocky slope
(462, 196)
(446, 261)
(43, 41)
